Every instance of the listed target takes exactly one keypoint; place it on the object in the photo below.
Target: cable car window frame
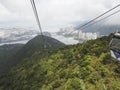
(115, 49)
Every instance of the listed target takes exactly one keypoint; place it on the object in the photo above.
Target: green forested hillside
(37, 44)
(6, 54)
(86, 66)
(12, 54)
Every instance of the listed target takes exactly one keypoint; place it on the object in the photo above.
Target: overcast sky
(53, 13)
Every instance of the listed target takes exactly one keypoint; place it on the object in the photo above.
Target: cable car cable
(102, 19)
(100, 16)
(38, 20)
(97, 17)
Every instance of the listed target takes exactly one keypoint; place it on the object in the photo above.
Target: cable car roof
(117, 35)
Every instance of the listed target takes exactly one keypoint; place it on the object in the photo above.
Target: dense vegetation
(37, 44)
(86, 66)
(6, 54)
(12, 54)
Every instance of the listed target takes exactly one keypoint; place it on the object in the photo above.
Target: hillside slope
(6, 54)
(37, 44)
(12, 54)
(86, 66)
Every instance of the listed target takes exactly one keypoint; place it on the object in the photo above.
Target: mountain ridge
(6, 53)
(13, 54)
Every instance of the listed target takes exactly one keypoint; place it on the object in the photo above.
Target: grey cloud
(56, 12)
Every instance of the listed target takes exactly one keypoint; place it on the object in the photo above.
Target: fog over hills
(16, 34)
(88, 32)
(23, 35)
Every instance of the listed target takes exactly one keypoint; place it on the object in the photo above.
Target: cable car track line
(102, 19)
(100, 16)
(96, 18)
(38, 20)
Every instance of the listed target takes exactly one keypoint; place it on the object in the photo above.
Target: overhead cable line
(102, 19)
(100, 16)
(38, 20)
(36, 15)
(96, 18)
